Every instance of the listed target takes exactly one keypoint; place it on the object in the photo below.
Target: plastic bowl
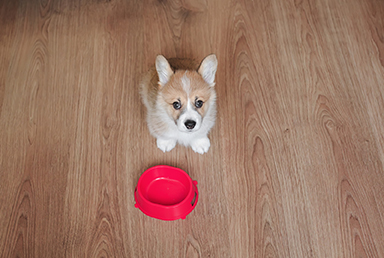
(166, 193)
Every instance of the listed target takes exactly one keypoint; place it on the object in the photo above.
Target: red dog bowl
(166, 193)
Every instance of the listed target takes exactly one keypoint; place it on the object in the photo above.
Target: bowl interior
(165, 186)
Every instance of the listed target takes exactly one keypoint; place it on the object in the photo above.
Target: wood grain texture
(295, 167)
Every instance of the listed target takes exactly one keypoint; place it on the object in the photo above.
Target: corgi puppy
(180, 98)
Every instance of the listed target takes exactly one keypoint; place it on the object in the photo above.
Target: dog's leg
(166, 144)
(201, 145)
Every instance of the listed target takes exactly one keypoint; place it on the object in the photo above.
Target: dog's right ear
(163, 70)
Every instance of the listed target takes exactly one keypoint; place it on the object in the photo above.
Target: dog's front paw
(166, 145)
(201, 146)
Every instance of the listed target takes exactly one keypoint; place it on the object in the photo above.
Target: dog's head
(187, 95)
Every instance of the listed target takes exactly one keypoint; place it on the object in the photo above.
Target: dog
(180, 98)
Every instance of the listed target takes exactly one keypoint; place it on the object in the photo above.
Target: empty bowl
(166, 193)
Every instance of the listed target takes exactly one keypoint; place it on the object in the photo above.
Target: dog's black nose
(190, 124)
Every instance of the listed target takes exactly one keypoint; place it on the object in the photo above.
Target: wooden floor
(295, 167)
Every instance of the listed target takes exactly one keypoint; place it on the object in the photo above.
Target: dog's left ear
(208, 69)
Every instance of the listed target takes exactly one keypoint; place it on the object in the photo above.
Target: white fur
(186, 82)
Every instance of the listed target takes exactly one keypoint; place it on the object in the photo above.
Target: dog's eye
(199, 103)
(176, 105)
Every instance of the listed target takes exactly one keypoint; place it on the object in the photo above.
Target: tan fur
(149, 85)
(174, 91)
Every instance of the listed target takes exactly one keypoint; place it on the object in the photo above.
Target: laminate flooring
(295, 167)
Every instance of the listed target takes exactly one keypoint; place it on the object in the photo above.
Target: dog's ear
(163, 70)
(208, 69)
